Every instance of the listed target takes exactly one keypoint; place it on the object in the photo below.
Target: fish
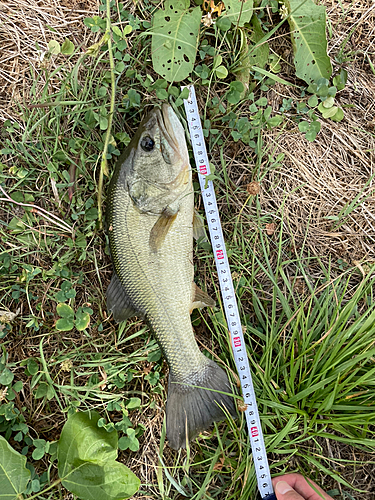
(150, 226)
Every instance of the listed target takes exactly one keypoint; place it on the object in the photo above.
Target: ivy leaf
(13, 474)
(87, 461)
(175, 39)
(308, 26)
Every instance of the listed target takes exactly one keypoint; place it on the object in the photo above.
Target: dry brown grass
(26, 25)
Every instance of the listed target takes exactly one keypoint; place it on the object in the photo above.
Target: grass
(309, 319)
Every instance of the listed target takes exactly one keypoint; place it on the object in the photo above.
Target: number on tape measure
(228, 295)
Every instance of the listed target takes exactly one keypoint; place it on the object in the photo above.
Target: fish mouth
(173, 131)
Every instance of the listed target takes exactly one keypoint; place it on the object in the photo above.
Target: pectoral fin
(161, 228)
(118, 302)
(200, 299)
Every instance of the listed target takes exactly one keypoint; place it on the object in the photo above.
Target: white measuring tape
(229, 299)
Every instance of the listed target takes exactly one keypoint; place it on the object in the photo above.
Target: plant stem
(103, 163)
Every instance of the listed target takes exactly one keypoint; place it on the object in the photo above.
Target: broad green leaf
(13, 474)
(308, 26)
(65, 311)
(329, 102)
(42, 390)
(175, 39)
(338, 116)
(82, 320)
(87, 461)
(237, 11)
(67, 47)
(54, 47)
(64, 324)
(32, 366)
(6, 377)
(303, 126)
(328, 113)
(221, 72)
(310, 135)
(313, 101)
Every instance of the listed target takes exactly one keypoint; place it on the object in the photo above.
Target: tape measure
(229, 299)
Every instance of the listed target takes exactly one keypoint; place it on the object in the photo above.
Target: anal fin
(118, 302)
(200, 299)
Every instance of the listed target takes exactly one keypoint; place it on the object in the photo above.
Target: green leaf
(237, 11)
(103, 122)
(175, 39)
(82, 320)
(13, 474)
(133, 403)
(224, 23)
(6, 377)
(65, 311)
(60, 296)
(116, 30)
(129, 441)
(38, 453)
(313, 101)
(87, 461)
(338, 116)
(275, 121)
(315, 126)
(42, 390)
(340, 80)
(310, 135)
(54, 47)
(64, 324)
(161, 94)
(328, 103)
(303, 126)
(32, 366)
(221, 72)
(308, 26)
(328, 113)
(67, 47)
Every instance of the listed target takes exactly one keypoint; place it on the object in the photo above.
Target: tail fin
(191, 410)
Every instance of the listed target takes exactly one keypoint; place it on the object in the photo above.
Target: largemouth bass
(150, 226)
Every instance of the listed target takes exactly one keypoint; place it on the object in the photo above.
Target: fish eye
(147, 144)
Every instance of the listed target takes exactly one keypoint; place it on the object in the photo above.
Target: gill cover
(159, 170)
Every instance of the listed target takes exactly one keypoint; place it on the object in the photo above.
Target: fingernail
(283, 487)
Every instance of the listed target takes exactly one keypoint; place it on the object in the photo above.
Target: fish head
(159, 171)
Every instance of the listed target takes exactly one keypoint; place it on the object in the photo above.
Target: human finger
(307, 489)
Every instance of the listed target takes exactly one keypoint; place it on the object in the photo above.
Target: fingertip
(283, 487)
